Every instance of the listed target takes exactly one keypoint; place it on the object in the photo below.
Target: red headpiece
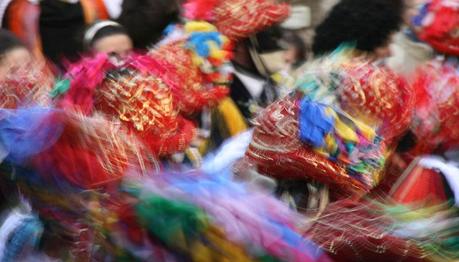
(379, 97)
(136, 94)
(238, 19)
(326, 130)
(192, 89)
(437, 108)
(439, 26)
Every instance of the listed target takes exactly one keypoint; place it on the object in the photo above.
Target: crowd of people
(153, 130)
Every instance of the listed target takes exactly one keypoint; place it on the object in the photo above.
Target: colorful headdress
(136, 94)
(328, 133)
(238, 19)
(296, 138)
(198, 59)
(438, 25)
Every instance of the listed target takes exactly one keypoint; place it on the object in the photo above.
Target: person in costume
(191, 66)
(51, 28)
(408, 51)
(12, 54)
(418, 218)
(23, 81)
(95, 195)
(430, 178)
(232, 115)
(336, 127)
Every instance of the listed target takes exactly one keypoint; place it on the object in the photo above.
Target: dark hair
(367, 24)
(105, 31)
(8, 41)
(269, 39)
(145, 20)
(407, 142)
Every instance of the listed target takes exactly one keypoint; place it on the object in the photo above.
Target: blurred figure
(12, 52)
(145, 20)
(408, 52)
(367, 25)
(296, 53)
(53, 28)
(432, 176)
(23, 78)
(108, 37)
(293, 56)
(253, 88)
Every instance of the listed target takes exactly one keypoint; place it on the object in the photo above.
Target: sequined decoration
(437, 24)
(277, 151)
(143, 101)
(194, 92)
(145, 104)
(377, 96)
(28, 84)
(239, 19)
(361, 232)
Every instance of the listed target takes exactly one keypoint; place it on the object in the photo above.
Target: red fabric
(239, 19)
(277, 151)
(436, 108)
(90, 153)
(200, 9)
(26, 85)
(85, 77)
(440, 26)
(395, 167)
(190, 87)
(421, 186)
(355, 231)
(378, 96)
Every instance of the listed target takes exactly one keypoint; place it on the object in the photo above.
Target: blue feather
(315, 124)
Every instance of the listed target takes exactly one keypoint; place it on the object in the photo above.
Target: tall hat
(438, 24)
(198, 58)
(238, 19)
(135, 94)
(326, 132)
